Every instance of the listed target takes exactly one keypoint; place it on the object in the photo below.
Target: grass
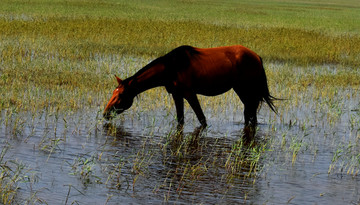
(82, 38)
(73, 56)
(334, 16)
(12, 174)
(57, 58)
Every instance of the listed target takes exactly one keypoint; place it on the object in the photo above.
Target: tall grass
(333, 16)
(82, 38)
(74, 58)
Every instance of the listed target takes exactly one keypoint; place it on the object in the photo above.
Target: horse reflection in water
(183, 162)
(176, 136)
(187, 71)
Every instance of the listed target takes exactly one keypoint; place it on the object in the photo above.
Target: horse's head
(119, 101)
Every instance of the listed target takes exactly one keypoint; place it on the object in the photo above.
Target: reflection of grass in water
(195, 160)
(84, 168)
(12, 174)
(238, 161)
(244, 159)
(346, 159)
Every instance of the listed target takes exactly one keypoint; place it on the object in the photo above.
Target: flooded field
(57, 62)
(306, 154)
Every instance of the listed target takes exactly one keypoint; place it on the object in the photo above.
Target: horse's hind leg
(251, 104)
(250, 113)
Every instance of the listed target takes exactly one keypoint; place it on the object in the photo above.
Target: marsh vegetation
(57, 61)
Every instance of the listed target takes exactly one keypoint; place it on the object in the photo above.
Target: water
(76, 157)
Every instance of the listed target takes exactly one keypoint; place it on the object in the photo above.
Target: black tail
(269, 99)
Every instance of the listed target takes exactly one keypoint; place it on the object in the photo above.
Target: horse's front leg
(179, 104)
(195, 105)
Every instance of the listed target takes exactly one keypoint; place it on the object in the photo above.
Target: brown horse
(187, 71)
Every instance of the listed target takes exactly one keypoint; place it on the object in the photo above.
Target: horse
(187, 71)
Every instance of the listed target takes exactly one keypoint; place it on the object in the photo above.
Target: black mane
(175, 60)
(179, 58)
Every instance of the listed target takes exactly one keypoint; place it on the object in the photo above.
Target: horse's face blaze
(118, 103)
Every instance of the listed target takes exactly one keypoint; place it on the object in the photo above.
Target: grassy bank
(69, 50)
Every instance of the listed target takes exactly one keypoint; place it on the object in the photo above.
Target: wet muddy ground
(306, 155)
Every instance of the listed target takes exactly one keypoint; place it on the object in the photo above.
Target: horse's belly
(212, 89)
(211, 80)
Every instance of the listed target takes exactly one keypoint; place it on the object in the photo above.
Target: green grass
(12, 174)
(82, 38)
(303, 32)
(70, 54)
(334, 16)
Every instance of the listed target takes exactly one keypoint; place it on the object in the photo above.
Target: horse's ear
(118, 80)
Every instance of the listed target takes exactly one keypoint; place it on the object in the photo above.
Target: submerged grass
(12, 174)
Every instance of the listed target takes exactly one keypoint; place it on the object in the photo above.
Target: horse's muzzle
(107, 115)
(110, 114)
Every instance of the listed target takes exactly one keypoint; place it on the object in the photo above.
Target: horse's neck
(148, 78)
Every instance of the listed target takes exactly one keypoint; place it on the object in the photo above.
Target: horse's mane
(180, 57)
(177, 59)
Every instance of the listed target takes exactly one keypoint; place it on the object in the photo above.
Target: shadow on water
(190, 167)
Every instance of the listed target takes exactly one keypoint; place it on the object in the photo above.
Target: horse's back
(230, 62)
(212, 71)
(236, 52)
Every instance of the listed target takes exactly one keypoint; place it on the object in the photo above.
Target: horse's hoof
(249, 132)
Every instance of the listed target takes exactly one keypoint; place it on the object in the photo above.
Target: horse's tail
(269, 99)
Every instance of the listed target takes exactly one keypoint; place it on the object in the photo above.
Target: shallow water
(76, 157)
